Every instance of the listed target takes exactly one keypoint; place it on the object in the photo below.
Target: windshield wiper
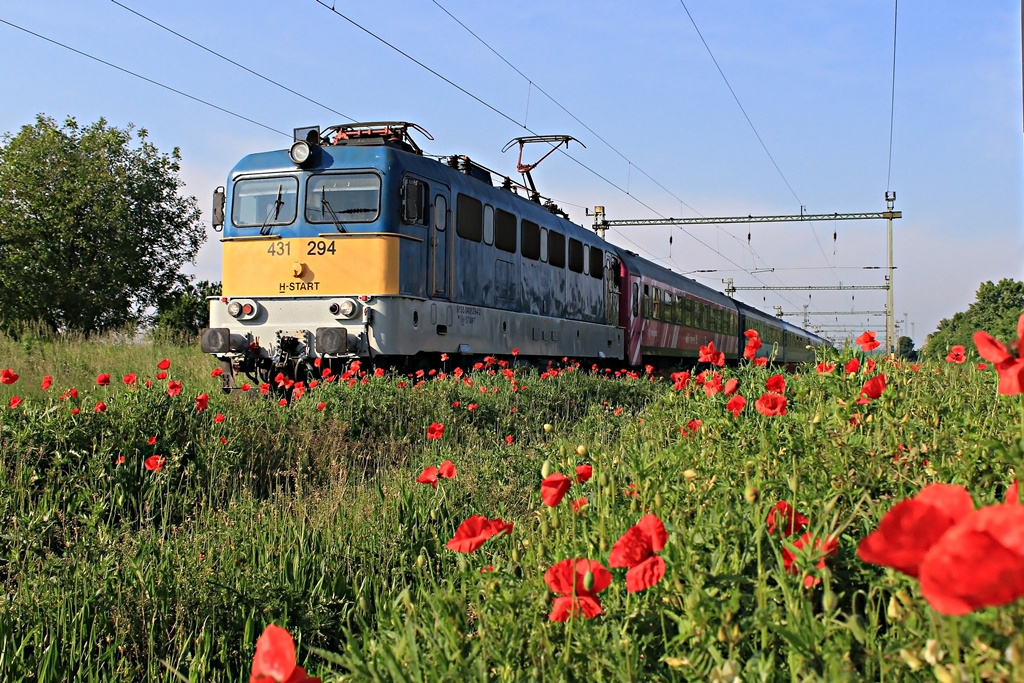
(324, 204)
(275, 210)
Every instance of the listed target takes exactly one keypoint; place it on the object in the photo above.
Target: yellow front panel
(311, 266)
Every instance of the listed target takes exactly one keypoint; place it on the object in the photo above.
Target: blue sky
(814, 78)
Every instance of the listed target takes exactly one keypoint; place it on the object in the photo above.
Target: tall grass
(311, 518)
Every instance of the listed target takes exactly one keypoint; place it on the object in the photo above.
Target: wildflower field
(854, 519)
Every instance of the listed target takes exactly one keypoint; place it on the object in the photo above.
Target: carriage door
(612, 283)
(439, 246)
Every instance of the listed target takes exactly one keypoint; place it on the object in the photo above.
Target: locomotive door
(439, 236)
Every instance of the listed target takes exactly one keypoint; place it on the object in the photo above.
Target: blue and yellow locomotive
(354, 244)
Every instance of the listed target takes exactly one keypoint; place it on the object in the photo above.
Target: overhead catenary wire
(148, 80)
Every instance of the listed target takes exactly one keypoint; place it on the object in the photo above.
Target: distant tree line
(995, 310)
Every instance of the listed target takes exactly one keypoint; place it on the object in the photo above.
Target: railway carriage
(355, 245)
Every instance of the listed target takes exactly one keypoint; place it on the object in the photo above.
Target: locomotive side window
(575, 255)
(469, 218)
(586, 259)
(440, 213)
(505, 231)
(264, 201)
(343, 198)
(488, 224)
(544, 245)
(556, 249)
(414, 201)
(530, 243)
(596, 263)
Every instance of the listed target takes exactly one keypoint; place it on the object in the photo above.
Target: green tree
(185, 310)
(905, 348)
(93, 229)
(995, 310)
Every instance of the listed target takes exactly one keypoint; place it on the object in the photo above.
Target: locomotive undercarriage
(298, 338)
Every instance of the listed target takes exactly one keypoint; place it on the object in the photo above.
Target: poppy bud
(554, 519)
(588, 581)
(871, 418)
(602, 479)
(903, 596)
(751, 494)
(581, 451)
(658, 502)
(543, 528)
(602, 545)
(363, 605)
(895, 611)
(547, 427)
(942, 674)
(913, 662)
(816, 419)
(689, 475)
(420, 561)
(515, 554)
(829, 601)
(721, 634)
(545, 469)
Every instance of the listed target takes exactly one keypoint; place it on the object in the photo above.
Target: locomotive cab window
(414, 201)
(261, 202)
(343, 198)
(469, 218)
(596, 263)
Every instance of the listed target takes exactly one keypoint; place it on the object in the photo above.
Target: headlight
(243, 309)
(303, 154)
(234, 309)
(346, 308)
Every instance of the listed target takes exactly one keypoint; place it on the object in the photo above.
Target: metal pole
(890, 317)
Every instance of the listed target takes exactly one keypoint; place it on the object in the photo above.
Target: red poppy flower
(274, 661)
(219, 417)
(128, 379)
(694, 425)
(579, 504)
(753, 344)
(216, 372)
(736, 405)
(911, 527)
(509, 440)
(245, 387)
(283, 402)
(8, 376)
(435, 431)
(1010, 368)
(473, 532)
(708, 354)
(867, 341)
(852, 366)
(448, 470)
(173, 387)
(873, 388)
(816, 549)
(47, 382)
(731, 386)
(1012, 495)
(321, 405)
(982, 366)
(515, 352)
(554, 488)
(265, 388)
(776, 384)
(444, 357)
(14, 402)
(161, 375)
(584, 473)
(74, 411)
(680, 380)
(202, 400)
(568, 579)
(978, 563)
(785, 517)
(825, 368)
(771, 404)
(957, 354)
(760, 361)
(100, 407)
(119, 460)
(713, 385)
(428, 476)
(636, 550)
(151, 441)
(164, 364)
(154, 463)
(103, 379)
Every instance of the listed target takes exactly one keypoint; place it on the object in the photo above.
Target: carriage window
(505, 231)
(647, 301)
(556, 249)
(596, 263)
(469, 218)
(670, 313)
(414, 201)
(530, 240)
(575, 255)
(264, 201)
(657, 303)
(342, 198)
(488, 224)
